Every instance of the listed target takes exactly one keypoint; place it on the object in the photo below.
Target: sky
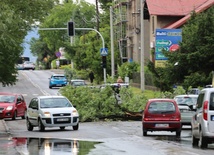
(34, 34)
(27, 39)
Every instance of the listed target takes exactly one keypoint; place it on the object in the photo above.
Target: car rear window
(186, 100)
(58, 77)
(211, 106)
(161, 107)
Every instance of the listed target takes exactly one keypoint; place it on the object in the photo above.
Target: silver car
(51, 111)
(187, 106)
(203, 120)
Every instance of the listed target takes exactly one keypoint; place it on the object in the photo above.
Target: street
(113, 138)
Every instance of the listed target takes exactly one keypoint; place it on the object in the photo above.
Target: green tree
(16, 20)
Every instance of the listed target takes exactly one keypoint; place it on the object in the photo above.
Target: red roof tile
(173, 7)
(183, 20)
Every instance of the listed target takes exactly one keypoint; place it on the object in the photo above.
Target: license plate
(162, 125)
(212, 118)
(62, 119)
(59, 85)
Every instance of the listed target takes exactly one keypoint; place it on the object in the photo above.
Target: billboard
(167, 39)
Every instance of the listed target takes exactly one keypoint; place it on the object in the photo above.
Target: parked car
(161, 115)
(12, 105)
(27, 65)
(78, 82)
(203, 120)
(57, 80)
(187, 105)
(51, 111)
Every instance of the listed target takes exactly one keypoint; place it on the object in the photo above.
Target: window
(33, 104)
(211, 107)
(200, 100)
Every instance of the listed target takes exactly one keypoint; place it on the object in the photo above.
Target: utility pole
(112, 43)
(142, 79)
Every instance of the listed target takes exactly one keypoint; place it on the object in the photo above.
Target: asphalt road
(116, 137)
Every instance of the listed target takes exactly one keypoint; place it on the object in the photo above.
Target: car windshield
(7, 98)
(78, 83)
(161, 107)
(187, 100)
(54, 103)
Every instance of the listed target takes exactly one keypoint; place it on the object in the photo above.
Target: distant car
(51, 111)
(161, 115)
(19, 66)
(57, 80)
(27, 65)
(78, 82)
(195, 91)
(12, 105)
(187, 105)
(203, 120)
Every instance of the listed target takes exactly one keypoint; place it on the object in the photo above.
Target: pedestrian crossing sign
(104, 51)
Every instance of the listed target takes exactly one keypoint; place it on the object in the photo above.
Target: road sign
(58, 54)
(104, 51)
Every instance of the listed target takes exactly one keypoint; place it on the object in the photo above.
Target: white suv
(51, 111)
(203, 120)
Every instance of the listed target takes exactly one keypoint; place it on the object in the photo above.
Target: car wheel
(50, 87)
(41, 126)
(144, 132)
(202, 141)
(194, 141)
(29, 125)
(14, 115)
(24, 116)
(62, 127)
(76, 127)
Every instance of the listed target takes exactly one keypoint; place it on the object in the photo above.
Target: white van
(203, 120)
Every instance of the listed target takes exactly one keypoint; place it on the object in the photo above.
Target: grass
(148, 93)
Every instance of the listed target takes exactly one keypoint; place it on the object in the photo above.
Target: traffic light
(71, 29)
(104, 61)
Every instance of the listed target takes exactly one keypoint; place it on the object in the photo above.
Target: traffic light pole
(104, 69)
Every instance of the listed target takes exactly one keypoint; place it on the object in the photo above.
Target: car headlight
(75, 113)
(9, 107)
(47, 114)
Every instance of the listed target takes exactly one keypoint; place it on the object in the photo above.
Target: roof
(183, 20)
(175, 7)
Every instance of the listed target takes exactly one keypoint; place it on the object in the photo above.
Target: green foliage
(126, 69)
(94, 103)
(16, 20)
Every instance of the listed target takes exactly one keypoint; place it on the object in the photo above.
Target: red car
(12, 105)
(161, 115)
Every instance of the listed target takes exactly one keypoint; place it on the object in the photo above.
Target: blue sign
(104, 51)
(168, 40)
